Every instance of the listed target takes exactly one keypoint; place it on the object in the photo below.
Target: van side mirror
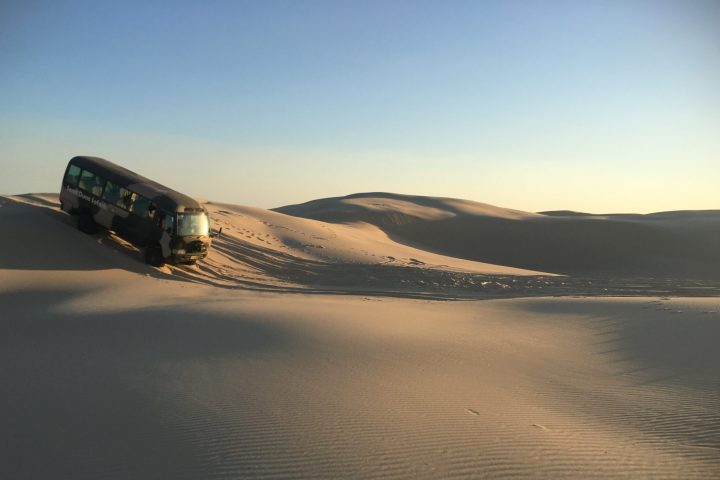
(219, 232)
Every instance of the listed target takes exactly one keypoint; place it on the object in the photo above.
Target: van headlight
(179, 251)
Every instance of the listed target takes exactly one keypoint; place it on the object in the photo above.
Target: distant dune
(564, 213)
(684, 244)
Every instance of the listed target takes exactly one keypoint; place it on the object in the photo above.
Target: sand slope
(669, 244)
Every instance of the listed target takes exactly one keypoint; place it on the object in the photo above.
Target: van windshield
(193, 224)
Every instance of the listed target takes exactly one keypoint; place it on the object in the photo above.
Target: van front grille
(196, 247)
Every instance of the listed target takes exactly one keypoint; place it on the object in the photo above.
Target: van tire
(86, 224)
(154, 256)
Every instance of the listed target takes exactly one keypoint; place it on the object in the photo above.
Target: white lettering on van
(80, 194)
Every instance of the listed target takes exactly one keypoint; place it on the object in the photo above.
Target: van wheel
(153, 256)
(86, 224)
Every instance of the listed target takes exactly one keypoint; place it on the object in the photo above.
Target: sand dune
(271, 251)
(668, 244)
(281, 357)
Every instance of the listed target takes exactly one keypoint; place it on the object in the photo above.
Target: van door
(141, 228)
(117, 199)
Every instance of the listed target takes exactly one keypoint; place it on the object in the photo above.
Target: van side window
(91, 183)
(143, 208)
(112, 194)
(126, 198)
(99, 186)
(86, 180)
(165, 221)
(73, 175)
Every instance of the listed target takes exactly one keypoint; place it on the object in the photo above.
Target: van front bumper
(181, 255)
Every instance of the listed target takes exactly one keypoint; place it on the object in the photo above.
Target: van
(169, 226)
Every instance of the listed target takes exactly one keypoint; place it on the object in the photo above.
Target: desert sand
(370, 336)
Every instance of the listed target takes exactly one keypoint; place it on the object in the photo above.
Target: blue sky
(594, 106)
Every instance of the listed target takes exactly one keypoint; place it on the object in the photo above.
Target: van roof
(164, 197)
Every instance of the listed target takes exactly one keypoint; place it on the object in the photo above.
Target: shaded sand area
(238, 369)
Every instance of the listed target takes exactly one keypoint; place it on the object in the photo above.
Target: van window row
(108, 191)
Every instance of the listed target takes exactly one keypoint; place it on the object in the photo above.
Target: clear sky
(600, 106)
